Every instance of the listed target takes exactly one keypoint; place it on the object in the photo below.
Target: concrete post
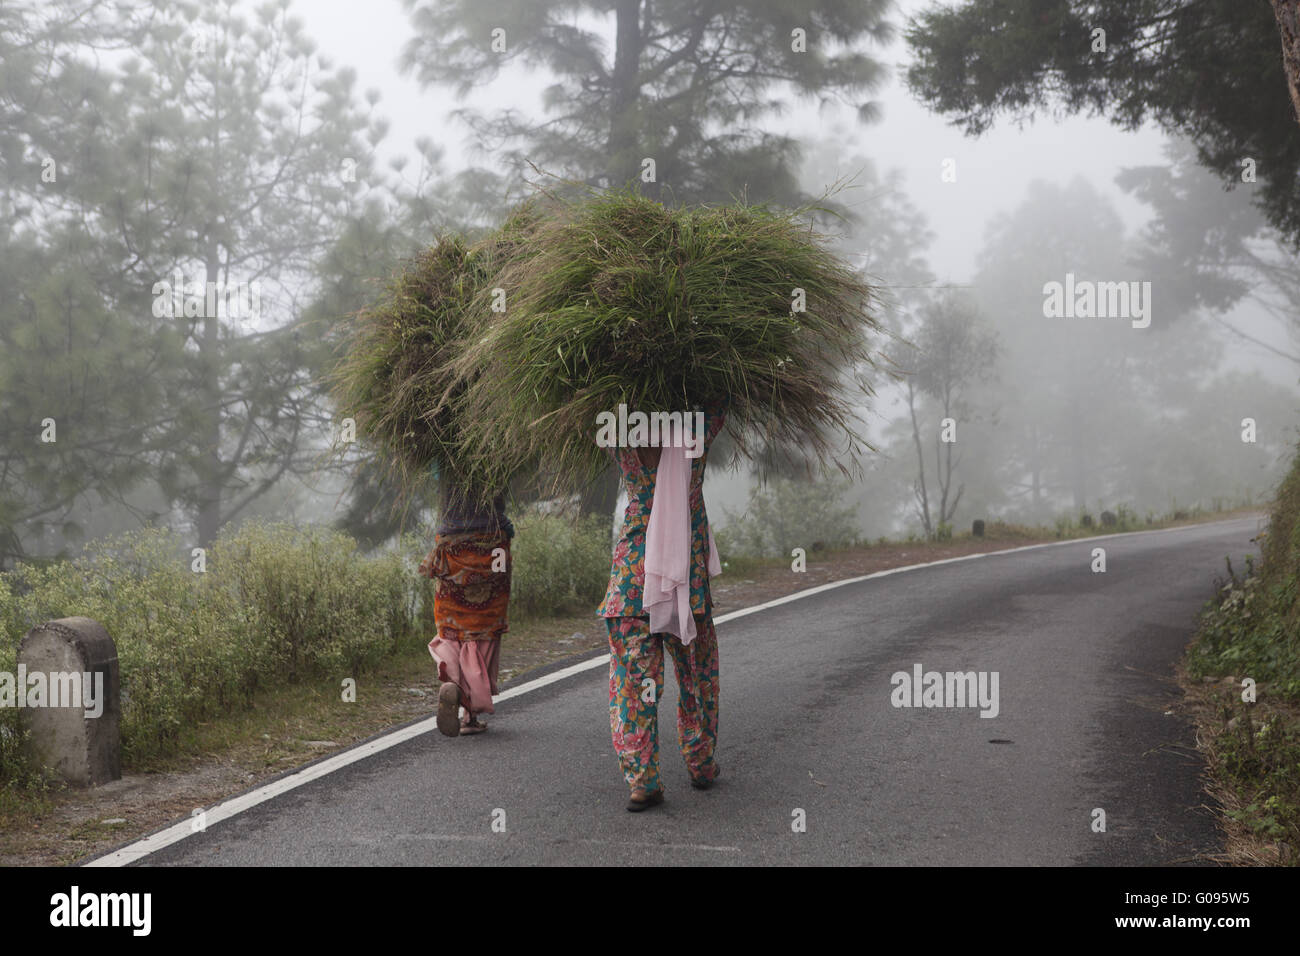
(71, 700)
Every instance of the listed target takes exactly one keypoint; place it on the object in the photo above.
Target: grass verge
(1243, 680)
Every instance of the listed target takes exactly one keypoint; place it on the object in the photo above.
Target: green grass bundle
(399, 378)
(618, 299)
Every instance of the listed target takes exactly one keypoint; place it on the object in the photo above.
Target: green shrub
(1262, 760)
(1125, 518)
(560, 565)
(320, 607)
(275, 605)
(1253, 628)
(787, 514)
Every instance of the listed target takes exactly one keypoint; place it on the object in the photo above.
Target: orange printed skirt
(471, 575)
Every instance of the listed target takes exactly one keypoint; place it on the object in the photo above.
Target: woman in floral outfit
(636, 665)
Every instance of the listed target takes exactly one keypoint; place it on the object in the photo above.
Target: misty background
(308, 146)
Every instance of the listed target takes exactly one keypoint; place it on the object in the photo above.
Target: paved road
(1084, 663)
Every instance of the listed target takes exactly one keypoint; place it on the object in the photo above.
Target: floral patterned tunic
(627, 576)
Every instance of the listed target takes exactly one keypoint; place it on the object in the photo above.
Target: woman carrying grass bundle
(397, 381)
(470, 568)
(616, 301)
(659, 595)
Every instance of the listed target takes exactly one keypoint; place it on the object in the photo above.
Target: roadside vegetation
(1246, 660)
(252, 650)
(274, 608)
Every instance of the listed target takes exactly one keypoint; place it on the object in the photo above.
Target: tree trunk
(943, 468)
(210, 476)
(1035, 468)
(1078, 478)
(1288, 24)
(601, 495)
(623, 162)
(922, 498)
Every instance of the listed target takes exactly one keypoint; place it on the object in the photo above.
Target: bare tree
(951, 352)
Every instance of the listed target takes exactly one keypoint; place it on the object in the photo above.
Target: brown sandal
(449, 710)
(651, 799)
(704, 783)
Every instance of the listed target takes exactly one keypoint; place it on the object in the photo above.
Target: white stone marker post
(81, 742)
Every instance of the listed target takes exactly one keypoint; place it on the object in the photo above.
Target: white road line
(236, 805)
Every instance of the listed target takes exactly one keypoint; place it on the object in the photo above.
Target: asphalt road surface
(808, 733)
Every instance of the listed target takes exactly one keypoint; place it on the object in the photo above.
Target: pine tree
(1209, 70)
(226, 151)
(676, 104)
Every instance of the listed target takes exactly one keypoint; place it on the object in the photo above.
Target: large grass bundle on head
(621, 300)
(399, 378)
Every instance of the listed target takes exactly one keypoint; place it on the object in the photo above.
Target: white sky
(991, 171)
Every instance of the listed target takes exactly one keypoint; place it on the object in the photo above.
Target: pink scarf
(667, 596)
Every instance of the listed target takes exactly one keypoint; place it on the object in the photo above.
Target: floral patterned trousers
(636, 682)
